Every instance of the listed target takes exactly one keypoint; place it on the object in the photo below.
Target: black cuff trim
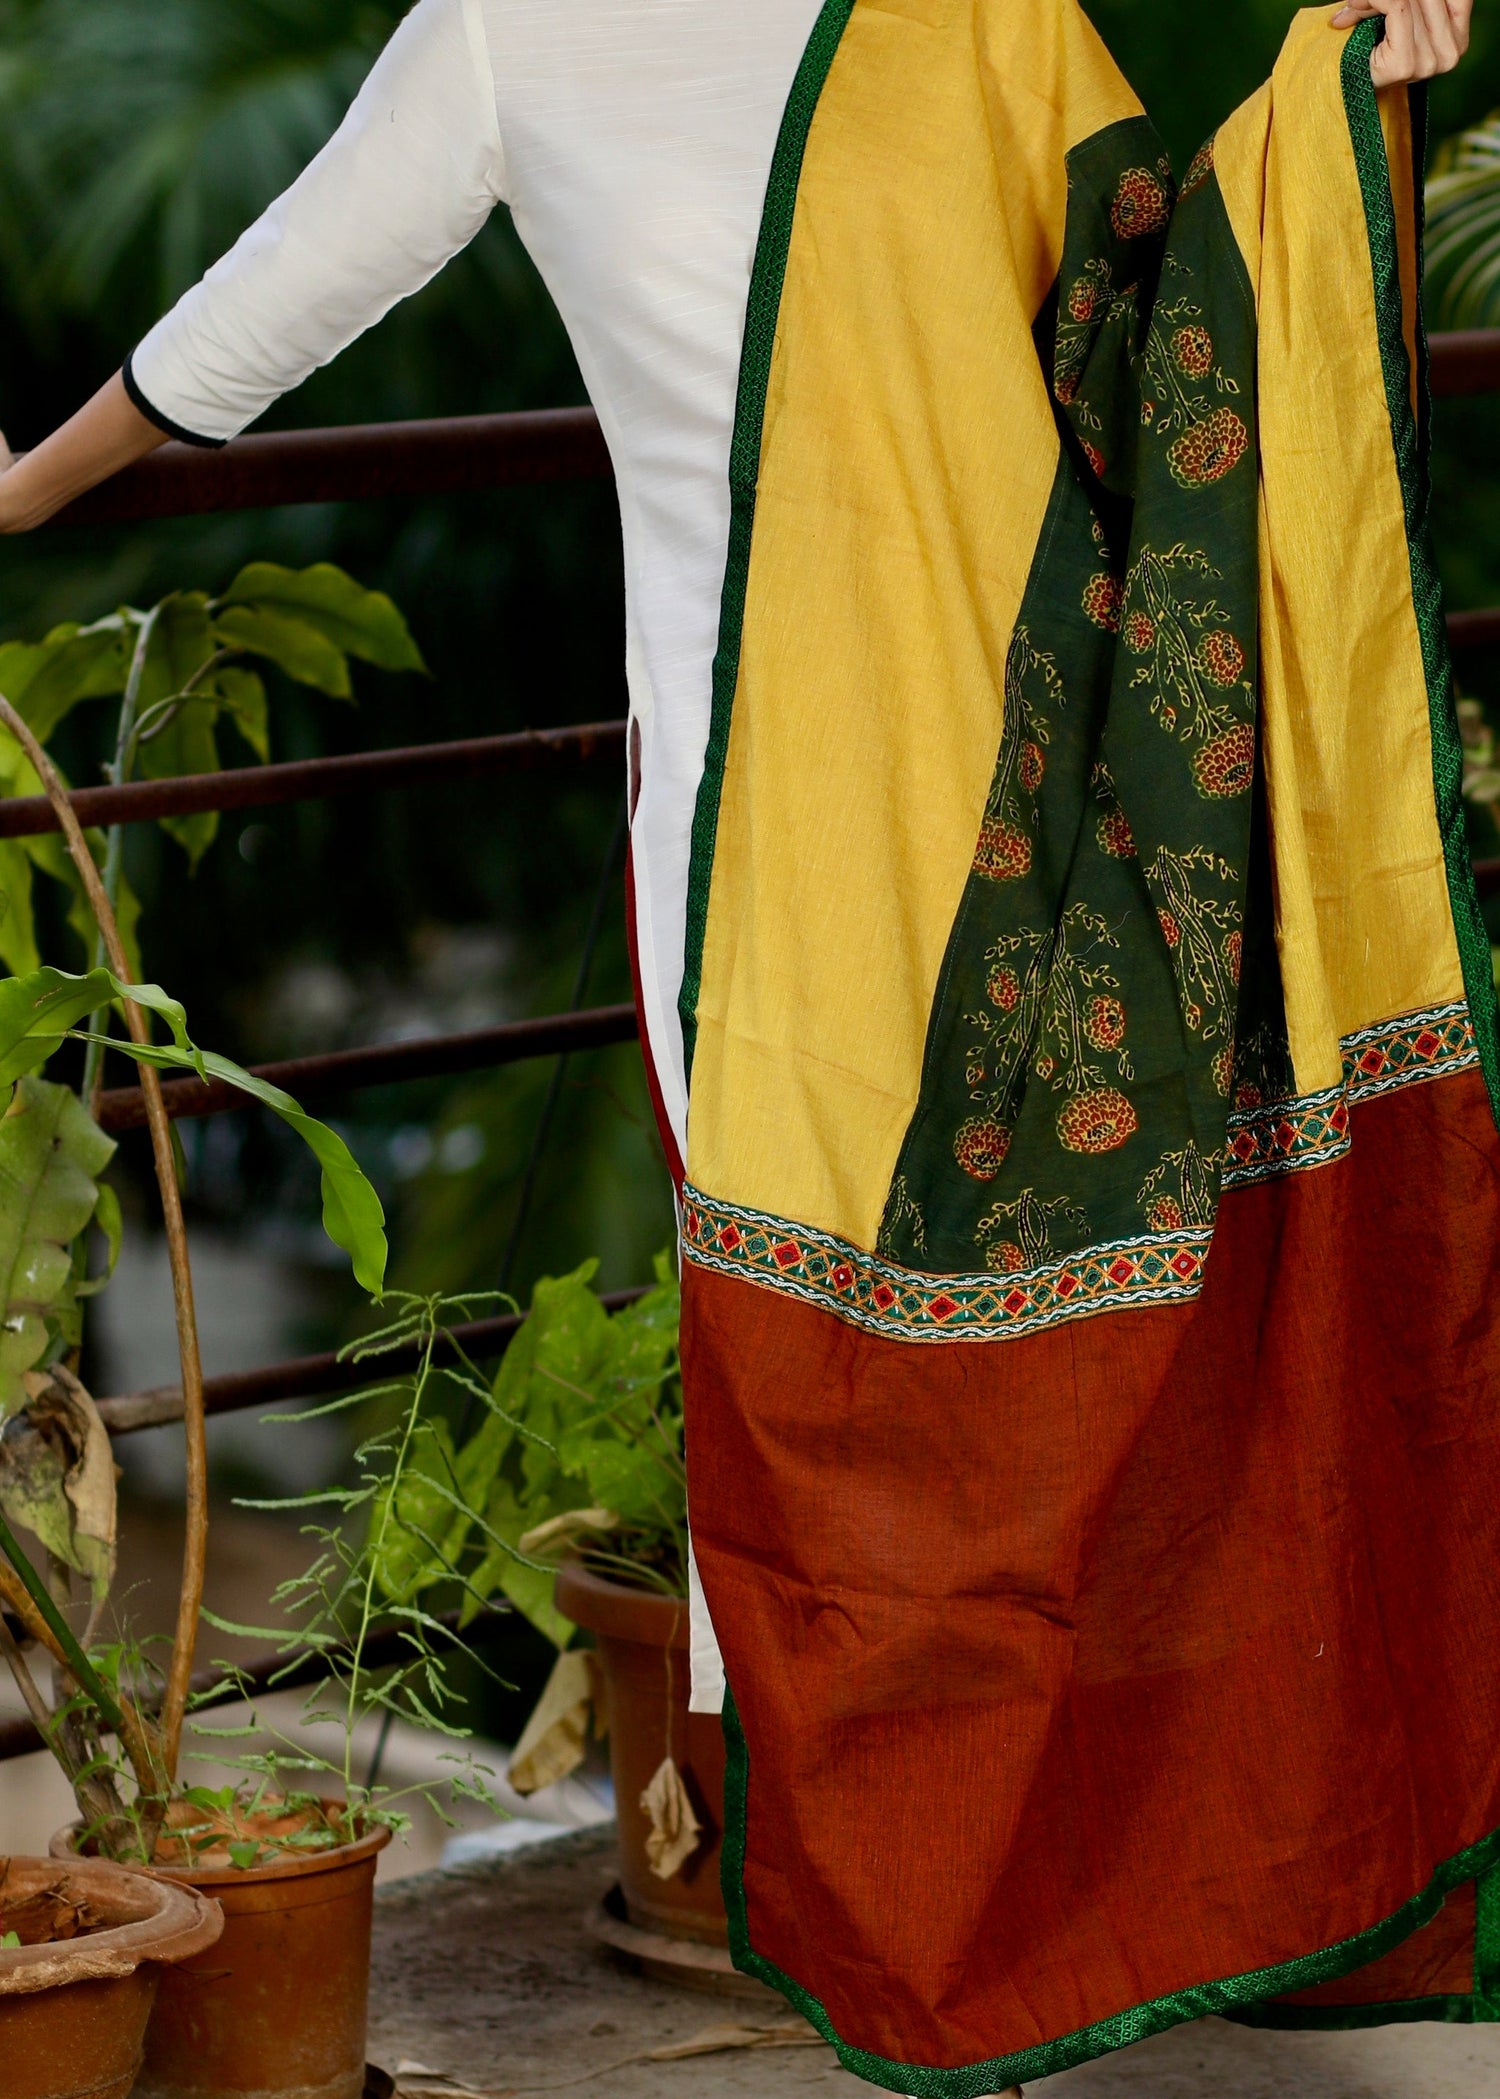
(164, 422)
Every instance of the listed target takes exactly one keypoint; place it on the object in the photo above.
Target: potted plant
(114, 1720)
(82, 1949)
(569, 1497)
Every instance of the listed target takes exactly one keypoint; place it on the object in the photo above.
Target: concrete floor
(486, 1977)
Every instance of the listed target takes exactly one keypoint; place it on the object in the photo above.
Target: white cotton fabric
(632, 140)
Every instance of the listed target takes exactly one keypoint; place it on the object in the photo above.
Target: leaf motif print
(1200, 925)
(1018, 1235)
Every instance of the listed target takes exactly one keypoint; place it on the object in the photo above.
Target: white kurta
(632, 140)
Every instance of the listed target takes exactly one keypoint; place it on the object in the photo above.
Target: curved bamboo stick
(195, 1543)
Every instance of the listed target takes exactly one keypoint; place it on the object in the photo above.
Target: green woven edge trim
(1410, 445)
(975, 2080)
(1487, 1948)
(1481, 2007)
(766, 280)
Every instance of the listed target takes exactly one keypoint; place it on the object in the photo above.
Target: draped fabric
(1090, 1217)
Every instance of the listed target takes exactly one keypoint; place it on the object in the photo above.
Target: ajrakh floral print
(1081, 1064)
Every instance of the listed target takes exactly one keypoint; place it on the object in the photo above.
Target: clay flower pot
(281, 2006)
(73, 2011)
(642, 1641)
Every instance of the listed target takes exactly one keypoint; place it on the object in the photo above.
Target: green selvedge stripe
(1232, 1998)
(761, 314)
(1243, 1996)
(1447, 751)
(1487, 1947)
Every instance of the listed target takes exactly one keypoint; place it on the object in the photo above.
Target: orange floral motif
(1115, 835)
(1171, 932)
(1085, 299)
(980, 1148)
(1221, 658)
(1102, 599)
(1004, 853)
(1222, 1068)
(1030, 767)
(1141, 205)
(1004, 988)
(1104, 1022)
(1098, 1121)
(1248, 1096)
(1234, 948)
(1209, 450)
(1165, 1215)
(1095, 457)
(1193, 348)
(1226, 766)
(1140, 633)
(1006, 1258)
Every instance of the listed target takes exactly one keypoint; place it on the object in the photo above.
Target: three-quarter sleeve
(408, 179)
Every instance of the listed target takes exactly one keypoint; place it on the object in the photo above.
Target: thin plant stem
(195, 1542)
(25, 1595)
(114, 849)
(26, 1684)
(376, 1547)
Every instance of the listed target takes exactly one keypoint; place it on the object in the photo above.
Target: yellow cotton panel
(1364, 925)
(907, 457)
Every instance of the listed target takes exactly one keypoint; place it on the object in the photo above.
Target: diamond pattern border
(1290, 1135)
(1162, 1268)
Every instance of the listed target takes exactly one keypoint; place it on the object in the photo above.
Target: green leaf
(18, 948)
(243, 697)
(51, 1152)
(244, 1853)
(37, 1010)
(44, 681)
(10, 1943)
(358, 622)
(420, 1509)
(185, 744)
(82, 1668)
(110, 1221)
(182, 640)
(292, 644)
(352, 1215)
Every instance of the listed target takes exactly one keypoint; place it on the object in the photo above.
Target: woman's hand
(1422, 37)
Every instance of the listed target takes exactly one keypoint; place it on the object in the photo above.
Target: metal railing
(362, 464)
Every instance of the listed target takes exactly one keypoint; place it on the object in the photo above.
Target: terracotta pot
(643, 1650)
(281, 2007)
(73, 2013)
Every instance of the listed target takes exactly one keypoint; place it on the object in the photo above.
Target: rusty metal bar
(382, 1650)
(1465, 362)
(449, 455)
(315, 779)
(362, 462)
(386, 1064)
(1474, 630)
(315, 1377)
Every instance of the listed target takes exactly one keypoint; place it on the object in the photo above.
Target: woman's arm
(108, 433)
(1422, 37)
(407, 180)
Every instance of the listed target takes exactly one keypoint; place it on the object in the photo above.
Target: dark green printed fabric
(1110, 985)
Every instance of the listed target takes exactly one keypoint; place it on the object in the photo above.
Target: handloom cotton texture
(1055, 890)
(1090, 1219)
